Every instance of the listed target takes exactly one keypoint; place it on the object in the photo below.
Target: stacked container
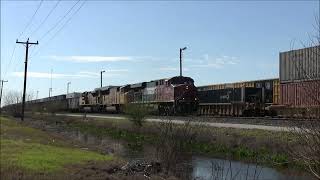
(300, 79)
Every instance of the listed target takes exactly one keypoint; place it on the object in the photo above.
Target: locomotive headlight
(187, 87)
(195, 99)
(183, 98)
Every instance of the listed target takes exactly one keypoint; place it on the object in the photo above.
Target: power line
(59, 21)
(45, 19)
(10, 61)
(57, 32)
(25, 28)
(30, 21)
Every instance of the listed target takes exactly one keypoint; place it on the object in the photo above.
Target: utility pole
(2, 81)
(50, 90)
(68, 87)
(37, 94)
(101, 77)
(27, 44)
(181, 49)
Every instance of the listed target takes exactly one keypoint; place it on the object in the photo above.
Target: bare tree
(307, 147)
(12, 102)
(174, 141)
(307, 150)
(12, 97)
(304, 66)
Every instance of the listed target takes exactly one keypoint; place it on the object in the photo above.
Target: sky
(136, 41)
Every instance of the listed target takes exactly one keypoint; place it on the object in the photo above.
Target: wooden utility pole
(26, 44)
(2, 81)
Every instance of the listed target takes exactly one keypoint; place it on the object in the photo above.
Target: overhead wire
(56, 24)
(60, 29)
(59, 21)
(45, 19)
(30, 21)
(25, 28)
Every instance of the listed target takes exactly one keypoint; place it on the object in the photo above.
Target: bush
(136, 113)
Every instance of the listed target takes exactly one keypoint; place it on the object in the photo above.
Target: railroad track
(195, 120)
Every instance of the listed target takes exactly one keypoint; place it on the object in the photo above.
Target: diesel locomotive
(176, 95)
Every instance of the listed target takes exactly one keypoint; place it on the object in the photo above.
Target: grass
(31, 150)
(247, 145)
(44, 158)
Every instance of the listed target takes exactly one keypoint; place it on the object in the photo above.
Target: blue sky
(138, 41)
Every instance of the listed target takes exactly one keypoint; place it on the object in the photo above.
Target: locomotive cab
(185, 94)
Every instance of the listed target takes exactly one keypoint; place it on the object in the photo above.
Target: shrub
(136, 113)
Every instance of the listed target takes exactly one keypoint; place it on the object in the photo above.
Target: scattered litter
(141, 167)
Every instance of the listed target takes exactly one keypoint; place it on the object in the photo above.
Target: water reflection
(189, 167)
(216, 169)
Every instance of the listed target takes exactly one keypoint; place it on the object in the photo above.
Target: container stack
(300, 81)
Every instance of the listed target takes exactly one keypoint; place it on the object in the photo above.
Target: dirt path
(177, 121)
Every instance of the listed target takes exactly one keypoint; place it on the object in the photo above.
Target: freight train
(172, 96)
(295, 94)
(175, 96)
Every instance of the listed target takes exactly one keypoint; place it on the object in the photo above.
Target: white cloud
(83, 59)
(60, 75)
(89, 73)
(108, 72)
(220, 62)
(89, 59)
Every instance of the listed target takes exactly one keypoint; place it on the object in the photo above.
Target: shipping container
(265, 83)
(220, 96)
(300, 65)
(300, 94)
(276, 92)
(230, 95)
